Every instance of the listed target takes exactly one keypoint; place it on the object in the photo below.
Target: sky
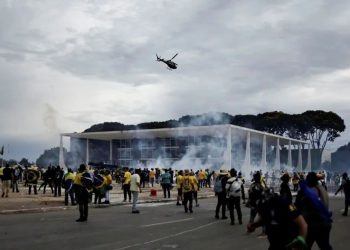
(66, 65)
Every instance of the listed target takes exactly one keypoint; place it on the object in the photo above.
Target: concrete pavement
(22, 202)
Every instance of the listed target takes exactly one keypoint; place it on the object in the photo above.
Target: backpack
(218, 186)
(186, 184)
(233, 188)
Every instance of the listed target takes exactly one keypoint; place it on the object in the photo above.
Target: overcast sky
(66, 65)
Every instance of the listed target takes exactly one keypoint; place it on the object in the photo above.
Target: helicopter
(171, 65)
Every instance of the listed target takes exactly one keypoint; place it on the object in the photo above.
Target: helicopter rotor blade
(173, 57)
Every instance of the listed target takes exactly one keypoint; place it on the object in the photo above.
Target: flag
(2, 150)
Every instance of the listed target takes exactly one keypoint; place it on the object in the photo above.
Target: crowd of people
(295, 214)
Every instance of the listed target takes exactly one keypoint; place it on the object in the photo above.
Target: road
(159, 226)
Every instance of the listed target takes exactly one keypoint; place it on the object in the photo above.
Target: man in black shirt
(285, 226)
(6, 181)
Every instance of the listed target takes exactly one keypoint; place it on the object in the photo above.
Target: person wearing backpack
(220, 192)
(233, 190)
(345, 186)
(187, 186)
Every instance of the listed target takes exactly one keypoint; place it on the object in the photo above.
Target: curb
(62, 208)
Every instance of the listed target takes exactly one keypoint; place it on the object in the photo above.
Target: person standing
(32, 177)
(67, 183)
(242, 180)
(233, 189)
(152, 175)
(82, 182)
(179, 188)
(195, 188)
(126, 184)
(187, 186)
(58, 181)
(345, 186)
(135, 188)
(220, 192)
(109, 186)
(6, 181)
(166, 182)
(15, 178)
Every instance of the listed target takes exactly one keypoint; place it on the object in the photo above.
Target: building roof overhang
(214, 130)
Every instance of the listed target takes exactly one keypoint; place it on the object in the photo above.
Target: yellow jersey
(187, 184)
(77, 179)
(195, 182)
(178, 181)
(127, 177)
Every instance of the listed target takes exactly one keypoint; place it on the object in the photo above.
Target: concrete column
(110, 152)
(289, 154)
(300, 159)
(61, 155)
(87, 152)
(308, 164)
(278, 157)
(228, 148)
(247, 163)
(263, 163)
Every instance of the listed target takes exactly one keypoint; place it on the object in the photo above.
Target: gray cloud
(91, 61)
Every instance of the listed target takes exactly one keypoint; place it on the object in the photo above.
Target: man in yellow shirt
(187, 186)
(126, 184)
(152, 175)
(108, 176)
(67, 183)
(179, 188)
(195, 188)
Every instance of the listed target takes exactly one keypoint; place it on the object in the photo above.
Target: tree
(50, 157)
(322, 127)
(275, 122)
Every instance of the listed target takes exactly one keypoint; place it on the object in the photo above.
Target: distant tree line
(315, 126)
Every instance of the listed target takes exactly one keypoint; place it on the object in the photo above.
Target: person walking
(220, 192)
(187, 186)
(195, 188)
(345, 186)
(47, 177)
(284, 225)
(233, 189)
(135, 188)
(312, 202)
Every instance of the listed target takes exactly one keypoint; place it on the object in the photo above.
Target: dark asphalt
(158, 226)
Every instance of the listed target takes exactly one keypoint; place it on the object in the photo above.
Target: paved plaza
(160, 225)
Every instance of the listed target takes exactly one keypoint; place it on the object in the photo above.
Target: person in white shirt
(135, 189)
